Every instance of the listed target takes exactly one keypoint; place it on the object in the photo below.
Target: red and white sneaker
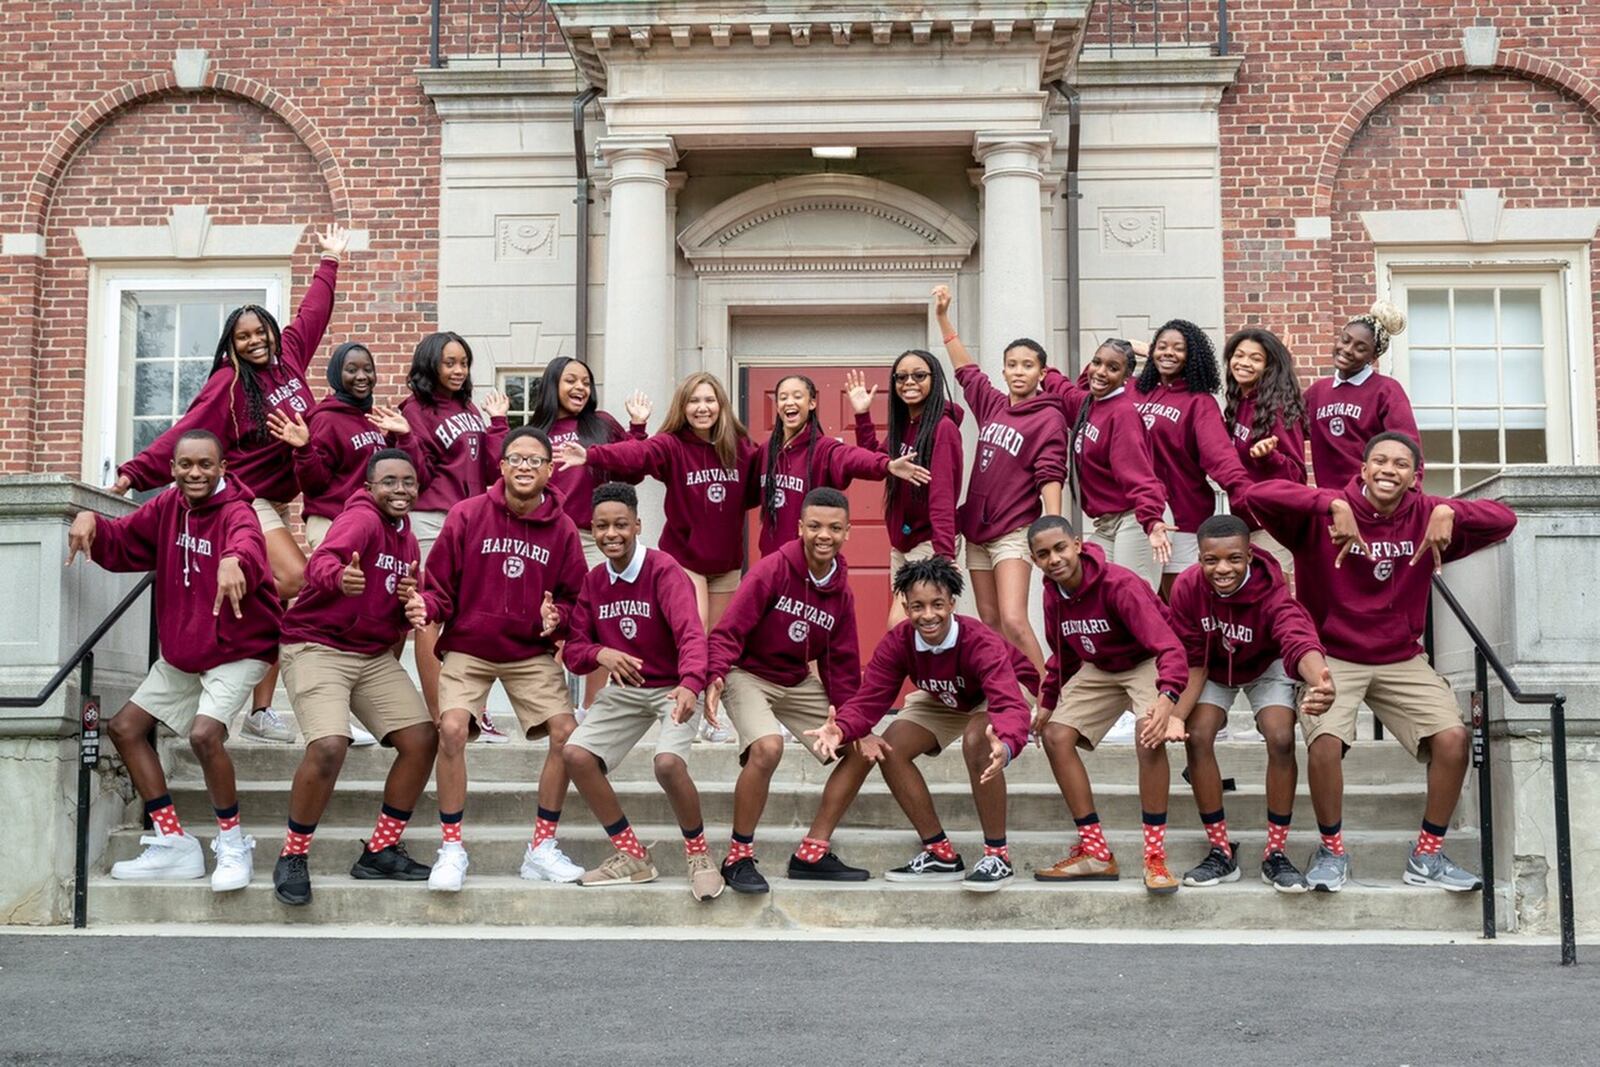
(489, 733)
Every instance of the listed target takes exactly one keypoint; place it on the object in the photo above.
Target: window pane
(1475, 317)
(1524, 375)
(1480, 446)
(147, 430)
(1521, 322)
(1433, 418)
(1470, 476)
(1477, 377)
(1526, 446)
(192, 375)
(198, 327)
(155, 331)
(1428, 312)
(1438, 446)
(1430, 376)
(152, 388)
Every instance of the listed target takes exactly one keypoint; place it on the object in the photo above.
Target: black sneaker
(391, 863)
(742, 876)
(926, 867)
(1218, 866)
(829, 868)
(291, 880)
(1280, 874)
(988, 875)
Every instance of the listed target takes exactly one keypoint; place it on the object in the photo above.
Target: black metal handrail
(82, 659)
(517, 22)
(1150, 25)
(1484, 658)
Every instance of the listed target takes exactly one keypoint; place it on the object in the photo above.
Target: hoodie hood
(361, 500)
(1355, 494)
(1265, 575)
(1093, 561)
(794, 553)
(548, 510)
(1043, 400)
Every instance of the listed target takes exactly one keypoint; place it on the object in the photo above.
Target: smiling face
(1355, 349)
(393, 485)
(574, 388)
(1058, 554)
(454, 366)
(1248, 365)
(1023, 371)
(1225, 561)
(616, 531)
(358, 374)
(702, 409)
(930, 608)
(525, 468)
(913, 380)
(1170, 353)
(1387, 472)
(197, 467)
(252, 341)
(823, 532)
(1108, 369)
(795, 403)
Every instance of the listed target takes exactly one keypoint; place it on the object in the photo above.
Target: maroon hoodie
(982, 666)
(1236, 638)
(333, 464)
(918, 515)
(648, 611)
(1286, 463)
(1114, 621)
(254, 456)
(489, 571)
(184, 545)
(1372, 608)
(577, 485)
(811, 461)
(781, 620)
(1188, 442)
(705, 502)
(1021, 448)
(372, 622)
(1112, 459)
(460, 450)
(1343, 420)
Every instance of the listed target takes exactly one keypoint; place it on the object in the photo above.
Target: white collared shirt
(946, 645)
(833, 568)
(1355, 379)
(1236, 592)
(1118, 391)
(630, 573)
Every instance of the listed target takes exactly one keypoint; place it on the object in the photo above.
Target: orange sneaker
(1157, 879)
(1079, 866)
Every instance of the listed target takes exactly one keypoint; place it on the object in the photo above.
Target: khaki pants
(621, 715)
(946, 724)
(1408, 697)
(327, 685)
(537, 687)
(1125, 543)
(757, 707)
(176, 698)
(1094, 700)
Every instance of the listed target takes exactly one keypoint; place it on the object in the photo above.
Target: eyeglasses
(392, 484)
(517, 463)
(918, 376)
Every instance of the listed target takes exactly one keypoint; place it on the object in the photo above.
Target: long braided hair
(244, 374)
(1278, 393)
(933, 409)
(813, 430)
(1124, 349)
(1199, 365)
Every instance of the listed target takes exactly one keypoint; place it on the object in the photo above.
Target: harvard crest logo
(1383, 570)
(1149, 421)
(778, 499)
(716, 492)
(298, 403)
(1336, 426)
(1088, 645)
(985, 458)
(390, 582)
(947, 699)
(798, 631)
(513, 567)
(629, 628)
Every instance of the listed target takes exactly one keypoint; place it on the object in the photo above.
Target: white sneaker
(235, 861)
(265, 724)
(720, 734)
(580, 714)
(178, 856)
(548, 863)
(449, 869)
(360, 736)
(1121, 733)
(489, 733)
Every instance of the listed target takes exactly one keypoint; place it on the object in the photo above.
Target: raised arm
(302, 336)
(211, 409)
(959, 356)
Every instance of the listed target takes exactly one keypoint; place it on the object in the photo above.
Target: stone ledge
(1540, 488)
(28, 495)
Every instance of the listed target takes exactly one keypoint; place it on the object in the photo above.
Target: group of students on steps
(517, 556)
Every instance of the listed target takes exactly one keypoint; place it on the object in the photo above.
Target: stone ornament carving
(1132, 229)
(525, 237)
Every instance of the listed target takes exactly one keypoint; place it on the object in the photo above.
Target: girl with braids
(704, 456)
(1357, 403)
(1017, 476)
(926, 423)
(800, 457)
(1177, 400)
(1263, 412)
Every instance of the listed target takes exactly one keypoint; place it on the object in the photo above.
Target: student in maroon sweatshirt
(1243, 631)
(636, 619)
(793, 609)
(972, 686)
(1175, 394)
(500, 561)
(332, 445)
(927, 424)
(708, 463)
(1367, 588)
(1111, 646)
(1017, 476)
(460, 444)
(337, 659)
(217, 620)
(1265, 414)
(1356, 403)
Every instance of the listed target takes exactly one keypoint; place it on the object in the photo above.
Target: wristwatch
(1170, 695)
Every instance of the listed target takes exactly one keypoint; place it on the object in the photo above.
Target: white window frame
(103, 369)
(533, 374)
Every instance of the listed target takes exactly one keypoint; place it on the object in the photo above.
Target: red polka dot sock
(1277, 834)
(740, 847)
(163, 816)
(450, 827)
(227, 818)
(544, 825)
(391, 824)
(694, 842)
(1155, 835)
(1431, 838)
(1091, 838)
(940, 846)
(624, 840)
(811, 849)
(1332, 838)
(1216, 824)
(297, 839)
(996, 846)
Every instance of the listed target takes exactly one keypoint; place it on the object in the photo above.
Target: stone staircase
(1384, 790)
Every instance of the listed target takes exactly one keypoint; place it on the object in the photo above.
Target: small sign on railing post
(1480, 733)
(89, 744)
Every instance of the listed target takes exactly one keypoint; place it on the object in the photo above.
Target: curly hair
(1199, 365)
(935, 570)
(1278, 393)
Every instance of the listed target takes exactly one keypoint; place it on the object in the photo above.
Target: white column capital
(638, 156)
(1019, 152)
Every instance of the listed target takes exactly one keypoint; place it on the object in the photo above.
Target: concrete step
(498, 849)
(503, 900)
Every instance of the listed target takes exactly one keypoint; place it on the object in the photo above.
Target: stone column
(1012, 303)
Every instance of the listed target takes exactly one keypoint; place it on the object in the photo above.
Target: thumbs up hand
(353, 580)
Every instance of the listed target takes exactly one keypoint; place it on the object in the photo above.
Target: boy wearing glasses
(502, 578)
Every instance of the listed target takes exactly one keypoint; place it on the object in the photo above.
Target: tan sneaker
(621, 869)
(1157, 879)
(1079, 866)
(705, 880)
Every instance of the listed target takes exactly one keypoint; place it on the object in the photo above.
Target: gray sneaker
(1438, 871)
(1327, 873)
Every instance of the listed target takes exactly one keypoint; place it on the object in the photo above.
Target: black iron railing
(82, 660)
(1147, 26)
(492, 29)
(1484, 658)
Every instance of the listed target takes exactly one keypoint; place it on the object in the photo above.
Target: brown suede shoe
(1079, 866)
(1157, 879)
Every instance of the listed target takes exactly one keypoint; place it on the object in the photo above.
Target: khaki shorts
(1126, 544)
(726, 582)
(1409, 698)
(621, 715)
(326, 686)
(898, 559)
(944, 723)
(174, 698)
(317, 529)
(1094, 700)
(271, 515)
(984, 555)
(592, 556)
(426, 526)
(757, 707)
(537, 688)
